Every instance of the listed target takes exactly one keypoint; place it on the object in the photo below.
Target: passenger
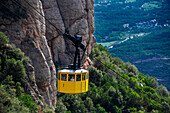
(72, 78)
(63, 78)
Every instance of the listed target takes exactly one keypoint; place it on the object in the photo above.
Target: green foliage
(162, 90)
(3, 40)
(117, 61)
(9, 102)
(147, 53)
(100, 109)
(60, 107)
(97, 75)
(89, 104)
(154, 83)
(145, 23)
(12, 61)
(28, 102)
(117, 88)
(98, 63)
(12, 80)
(15, 68)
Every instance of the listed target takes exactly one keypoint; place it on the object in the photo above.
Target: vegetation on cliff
(117, 87)
(12, 80)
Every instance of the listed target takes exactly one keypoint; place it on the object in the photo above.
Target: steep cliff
(36, 27)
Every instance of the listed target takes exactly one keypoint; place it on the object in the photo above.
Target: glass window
(64, 77)
(78, 77)
(71, 77)
(87, 76)
(84, 76)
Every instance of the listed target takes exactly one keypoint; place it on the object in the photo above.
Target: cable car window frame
(59, 76)
(79, 77)
(87, 75)
(83, 76)
(69, 78)
(63, 75)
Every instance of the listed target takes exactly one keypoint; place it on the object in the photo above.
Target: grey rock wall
(29, 24)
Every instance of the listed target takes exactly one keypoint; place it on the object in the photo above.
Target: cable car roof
(73, 71)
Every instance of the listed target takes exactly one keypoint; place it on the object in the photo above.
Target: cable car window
(87, 76)
(83, 76)
(64, 77)
(78, 77)
(71, 77)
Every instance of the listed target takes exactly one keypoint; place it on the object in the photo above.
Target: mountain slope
(116, 87)
(37, 27)
(151, 54)
(136, 31)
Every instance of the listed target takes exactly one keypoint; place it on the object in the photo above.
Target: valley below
(138, 32)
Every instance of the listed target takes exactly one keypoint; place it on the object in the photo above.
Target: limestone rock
(37, 27)
(28, 33)
(78, 17)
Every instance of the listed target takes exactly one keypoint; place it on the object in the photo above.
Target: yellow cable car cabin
(73, 79)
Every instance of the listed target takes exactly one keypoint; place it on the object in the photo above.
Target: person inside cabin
(72, 78)
(63, 77)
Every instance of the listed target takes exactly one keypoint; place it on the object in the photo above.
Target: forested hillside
(151, 54)
(116, 86)
(136, 31)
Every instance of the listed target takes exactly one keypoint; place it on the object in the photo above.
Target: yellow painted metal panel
(83, 86)
(72, 87)
(87, 84)
(78, 87)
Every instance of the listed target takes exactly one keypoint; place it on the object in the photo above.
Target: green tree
(154, 83)
(3, 40)
(60, 107)
(96, 75)
(162, 90)
(100, 109)
(9, 102)
(89, 104)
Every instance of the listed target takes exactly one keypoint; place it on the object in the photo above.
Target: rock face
(36, 26)
(75, 15)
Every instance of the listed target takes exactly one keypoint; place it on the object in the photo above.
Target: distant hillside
(136, 31)
(116, 87)
(150, 53)
(118, 19)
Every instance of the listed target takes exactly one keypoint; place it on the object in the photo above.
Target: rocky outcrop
(26, 28)
(36, 26)
(75, 15)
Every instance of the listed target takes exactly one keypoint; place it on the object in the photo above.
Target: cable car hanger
(78, 45)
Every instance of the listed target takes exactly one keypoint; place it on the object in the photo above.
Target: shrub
(28, 102)
(162, 90)
(154, 83)
(100, 109)
(95, 75)
(3, 40)
(117, 61)
(60, 107)
(15, 68)
(99, 62)
(9, 102)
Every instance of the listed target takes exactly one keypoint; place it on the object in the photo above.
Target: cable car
(73, 79)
